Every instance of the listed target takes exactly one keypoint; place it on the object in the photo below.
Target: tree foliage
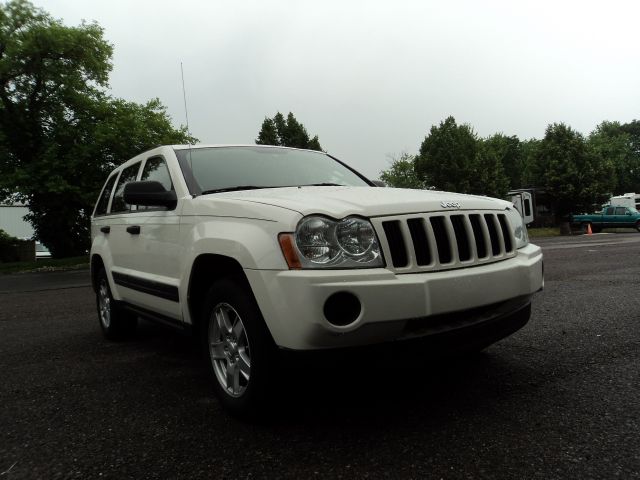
(574, 176)
(60, 133)
(447, 155)
(453, 158)
(487, 173)
(509, 151)
(286, 132)
(402, 174)
(619, 144)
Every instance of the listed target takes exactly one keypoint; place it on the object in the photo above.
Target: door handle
(133, 229)
(105, 229)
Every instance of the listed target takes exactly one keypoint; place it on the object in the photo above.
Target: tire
(638, 226)
(238, 349)
(116, 323)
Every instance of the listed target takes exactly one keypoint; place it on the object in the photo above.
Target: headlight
(320, 242)
(518, 228)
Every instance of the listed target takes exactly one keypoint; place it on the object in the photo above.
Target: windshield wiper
(323, 185)
(257, 187)
(236, 188)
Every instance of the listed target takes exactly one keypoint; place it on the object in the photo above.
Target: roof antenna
(186, 113)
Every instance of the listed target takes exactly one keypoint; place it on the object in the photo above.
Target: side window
(103, 201)
(527, 207)
(609, 211)
(621, 211)
(128, 175)
(156, 169)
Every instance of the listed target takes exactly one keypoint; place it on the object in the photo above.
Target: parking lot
(559, 399)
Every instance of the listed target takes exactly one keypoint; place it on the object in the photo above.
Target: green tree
(488, 176)
(401, 173)
(528, 175)
(614, 143)
(60, 133)
(572, 174)
(509, 152)
(268, 134)
(447, 156)
(286, 132)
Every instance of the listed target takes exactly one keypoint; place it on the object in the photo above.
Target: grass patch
(46, 265)
(544, 232)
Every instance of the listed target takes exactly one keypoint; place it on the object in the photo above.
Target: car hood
(339, 202)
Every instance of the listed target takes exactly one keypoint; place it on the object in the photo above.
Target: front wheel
(638, 226)
(239, 350)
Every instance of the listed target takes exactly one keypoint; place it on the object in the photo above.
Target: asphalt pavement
(560, 399)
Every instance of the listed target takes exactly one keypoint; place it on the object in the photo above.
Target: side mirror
(628, 212)
(149, 193)
(378, 183)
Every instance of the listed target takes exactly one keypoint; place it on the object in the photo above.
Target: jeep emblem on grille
(450, 205)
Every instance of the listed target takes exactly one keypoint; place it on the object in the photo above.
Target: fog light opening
(342, 308)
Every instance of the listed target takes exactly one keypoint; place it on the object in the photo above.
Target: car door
(122, 244)
(621, 217)
(150, 271)
(608, 217)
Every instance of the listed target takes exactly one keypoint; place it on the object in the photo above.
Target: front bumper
(292, 301)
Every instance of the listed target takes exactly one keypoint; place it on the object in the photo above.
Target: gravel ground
(559, 399)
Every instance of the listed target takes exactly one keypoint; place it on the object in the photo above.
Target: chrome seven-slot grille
(444, 240)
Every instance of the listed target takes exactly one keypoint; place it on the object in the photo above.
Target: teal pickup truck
(610, 217)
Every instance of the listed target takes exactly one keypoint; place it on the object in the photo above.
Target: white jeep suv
(259, 248)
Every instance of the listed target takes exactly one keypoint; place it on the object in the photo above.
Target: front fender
(252, 243)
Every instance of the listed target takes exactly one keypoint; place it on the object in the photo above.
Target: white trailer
(523, 201)
(12, 221)
(630, 200)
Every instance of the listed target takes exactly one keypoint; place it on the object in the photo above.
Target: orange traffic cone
(589, 232)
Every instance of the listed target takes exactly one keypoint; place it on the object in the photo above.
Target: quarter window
(128, 175)
(103, 201)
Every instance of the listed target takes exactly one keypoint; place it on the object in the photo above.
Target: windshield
(240, 168)
(633, 210)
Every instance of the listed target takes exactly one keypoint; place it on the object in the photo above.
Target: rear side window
(128, 175)
(609, 211)
(527, 207)
(621, 211)
(103, 201)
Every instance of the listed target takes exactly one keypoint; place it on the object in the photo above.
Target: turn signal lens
(289, 251)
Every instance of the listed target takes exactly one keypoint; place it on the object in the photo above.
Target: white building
(12, 221)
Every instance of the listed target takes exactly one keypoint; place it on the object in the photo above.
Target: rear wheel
(239, 351)
(116, 323)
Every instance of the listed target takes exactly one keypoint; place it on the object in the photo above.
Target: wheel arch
(206, 269)
(95, 265)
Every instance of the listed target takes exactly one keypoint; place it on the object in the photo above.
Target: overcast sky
(371, 77)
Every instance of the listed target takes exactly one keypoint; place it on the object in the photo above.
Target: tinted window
(621, 211)
(156, 169)
(128, 175)
(103, 201)
(609, 211)
(228, 167)
(527, 207)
